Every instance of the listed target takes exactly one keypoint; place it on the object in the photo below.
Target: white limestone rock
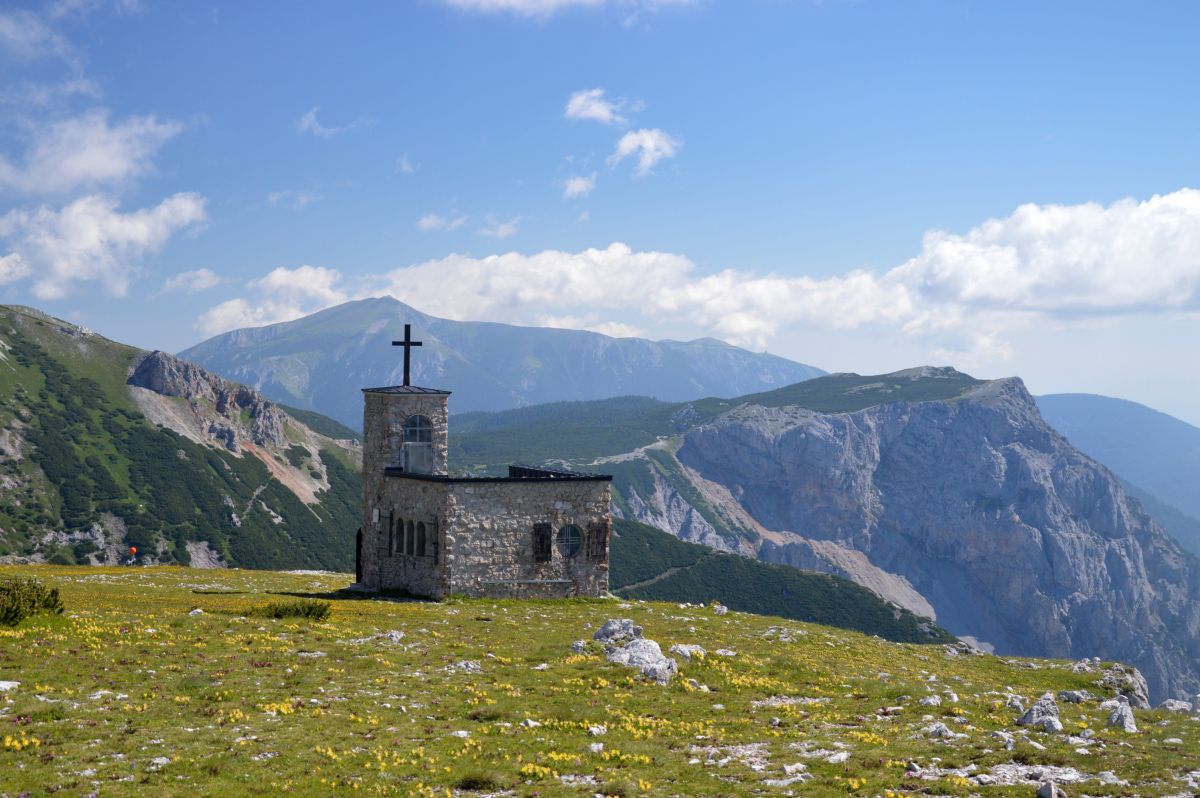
(687, 651)
(646, 656)
(1043, 715)
(1122, 718)
(1074, 696)
(618, 631)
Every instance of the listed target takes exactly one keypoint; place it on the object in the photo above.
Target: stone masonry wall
(489, 538)
(417, 501)
(383, 420)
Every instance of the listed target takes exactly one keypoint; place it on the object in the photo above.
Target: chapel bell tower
(405, 427)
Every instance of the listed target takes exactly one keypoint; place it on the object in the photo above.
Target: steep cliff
(231, 412)
(1012, 535)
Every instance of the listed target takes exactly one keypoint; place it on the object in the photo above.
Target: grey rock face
(1129, 683)
(230, 404)
(1011, 534)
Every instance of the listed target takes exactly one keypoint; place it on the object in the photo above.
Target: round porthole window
(569, 540)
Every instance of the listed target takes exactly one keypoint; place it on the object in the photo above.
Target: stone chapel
(536, 533)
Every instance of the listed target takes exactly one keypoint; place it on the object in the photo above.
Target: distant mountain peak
(320, 361)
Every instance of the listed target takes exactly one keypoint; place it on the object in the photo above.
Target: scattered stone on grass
(687, 651)
(624, 645)
(1122, 717)
(1075, 696)
(1043, 715)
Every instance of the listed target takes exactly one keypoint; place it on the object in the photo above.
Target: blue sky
(866, 186)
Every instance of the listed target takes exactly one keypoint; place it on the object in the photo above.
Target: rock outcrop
(1011, 534)
(234, 412)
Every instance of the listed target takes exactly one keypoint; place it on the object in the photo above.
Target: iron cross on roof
(408, 343)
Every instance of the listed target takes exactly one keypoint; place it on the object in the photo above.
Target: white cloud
(545, 8)
(192, 282)
(87, 151)
(91, 241)
(431, 222)
(579, 186)
(960, 297)
(650, 145)
(25, 37)
(404, 166)
(295, 200)
(41, 95)
(498, 229)
(308, 124)
(590, 104)
(13, 268)
(282, 295)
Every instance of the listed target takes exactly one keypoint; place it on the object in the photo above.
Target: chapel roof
(409, 389)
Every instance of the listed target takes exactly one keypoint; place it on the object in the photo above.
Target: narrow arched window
(418, 444)
(409, 538)
(420, 539)
(418, 429)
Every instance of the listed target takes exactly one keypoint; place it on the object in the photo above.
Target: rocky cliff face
(234, 412)
(1012, 535)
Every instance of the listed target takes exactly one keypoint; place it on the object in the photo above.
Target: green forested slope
(647, 563)
(83, 470)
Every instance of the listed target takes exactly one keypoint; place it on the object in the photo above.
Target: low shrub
(21, 597)
(312, 610)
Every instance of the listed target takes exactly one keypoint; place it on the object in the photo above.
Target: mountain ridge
(318, 362)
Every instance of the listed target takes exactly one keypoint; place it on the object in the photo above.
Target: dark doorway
(358, 556)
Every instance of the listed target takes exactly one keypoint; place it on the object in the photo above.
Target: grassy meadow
(133, 692)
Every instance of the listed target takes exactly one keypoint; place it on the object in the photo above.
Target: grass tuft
(312, 610)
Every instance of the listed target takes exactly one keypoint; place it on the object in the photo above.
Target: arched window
(409, 536)
(569, 540)
(420, 539)
(418, 444)
(418, 429)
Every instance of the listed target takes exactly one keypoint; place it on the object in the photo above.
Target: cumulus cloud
(590, 104)
(495, 228)
(293, 199)
(86, 151)
(545, 8)
(1068, 260)
(13, 268)
(579, 186)
(432, 222)
(960, 295)
(308, 124)
(91, 241)
(649, 145)
(282, 295)
(192, 282)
